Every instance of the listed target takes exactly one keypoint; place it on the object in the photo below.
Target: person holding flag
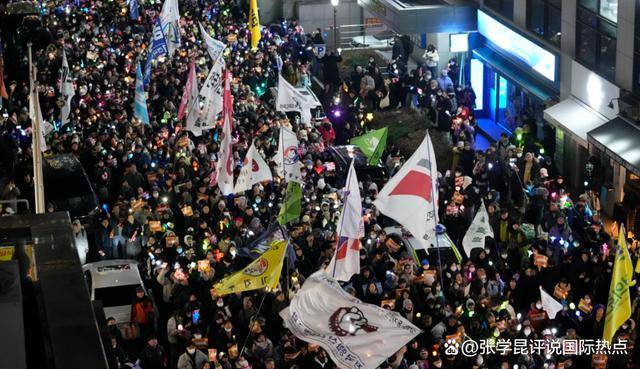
(158, 48)
(264, 272)
(254, 23)
(619, 303)
(479, 230)
(292, 204)
(254, 170)
(170, 22)
(287, 157)
(372, 144)
(67, 90)
(346, 260)
(225, 165)
(140, 111)
(190, 93)
(411, 196)
(215, 48)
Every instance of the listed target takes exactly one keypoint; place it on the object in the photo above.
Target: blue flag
(157, 49)
(140, 102)
(133, 9)
(261, 244)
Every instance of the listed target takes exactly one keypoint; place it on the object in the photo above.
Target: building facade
(571, 68)
(596, 119)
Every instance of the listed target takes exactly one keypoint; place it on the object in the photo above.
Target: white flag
(478, 230)
(214, 47)
(66, 90)
(549, 304)
(411, 196)
(354, 334)
(346, 261)
(205, 109)
(170, 21)
(225, 164)
(35, 114)
(254, 170)
(287, 158)
(290, 99)
(351, 223)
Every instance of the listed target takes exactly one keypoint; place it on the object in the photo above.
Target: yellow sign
(264, 272)
(7, 253)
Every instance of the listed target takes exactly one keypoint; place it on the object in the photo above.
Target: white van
(114, 283)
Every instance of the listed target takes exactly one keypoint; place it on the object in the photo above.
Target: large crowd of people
(159, 206)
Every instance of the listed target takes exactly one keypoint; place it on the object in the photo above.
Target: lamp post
(335, 4)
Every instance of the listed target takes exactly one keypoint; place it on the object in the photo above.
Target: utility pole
(334, 4)
(36, 126)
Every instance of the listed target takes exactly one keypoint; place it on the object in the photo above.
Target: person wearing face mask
(192, 358)
(227, 336)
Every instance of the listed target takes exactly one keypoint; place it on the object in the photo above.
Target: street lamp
(335, 4)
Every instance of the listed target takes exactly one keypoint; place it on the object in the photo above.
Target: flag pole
(36, 126)
(284, 172)
(244, 345)
(344, 203)
(435, 214)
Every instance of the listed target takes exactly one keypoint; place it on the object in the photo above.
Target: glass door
(492, 90)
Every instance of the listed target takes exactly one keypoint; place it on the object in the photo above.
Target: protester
(160, 203)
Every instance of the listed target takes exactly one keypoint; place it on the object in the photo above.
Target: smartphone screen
(195, 316)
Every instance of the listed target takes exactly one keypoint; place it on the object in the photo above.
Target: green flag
(292, 206)
(372, 144)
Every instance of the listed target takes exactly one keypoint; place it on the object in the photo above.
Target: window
(607, 9)
(543, 18)
(116, 296)
(504, 7)
(596, 38)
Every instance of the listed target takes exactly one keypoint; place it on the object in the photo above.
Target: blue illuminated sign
(512, 43)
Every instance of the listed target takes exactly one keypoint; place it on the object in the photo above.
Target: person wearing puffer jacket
(431, 59)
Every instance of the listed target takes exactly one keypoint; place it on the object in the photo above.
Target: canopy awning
(514, 73)
(574, 118)
(424, 16)
(619, 139)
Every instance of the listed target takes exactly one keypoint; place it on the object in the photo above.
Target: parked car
(114, 283)
(342, 156)
(67, 186)
(443, 245)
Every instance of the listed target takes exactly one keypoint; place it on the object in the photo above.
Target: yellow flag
(619, 303)
(254, 23)
(262, 272)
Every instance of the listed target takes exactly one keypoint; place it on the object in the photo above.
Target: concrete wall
(315, 14)
(270, 10)
(624, 46)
